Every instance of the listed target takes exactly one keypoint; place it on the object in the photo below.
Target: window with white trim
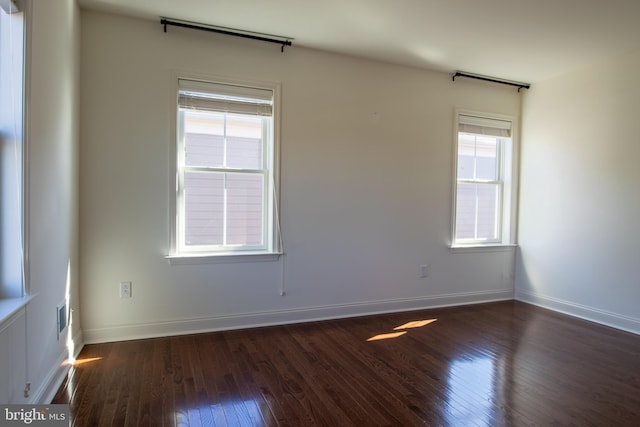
(12, 152)
(483, 206)
(226, 169)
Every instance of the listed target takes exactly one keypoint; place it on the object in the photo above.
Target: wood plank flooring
(497, 364)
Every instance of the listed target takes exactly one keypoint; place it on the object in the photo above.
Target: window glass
(203, 138)
(245, 209)
(244, 141)
(486, 158)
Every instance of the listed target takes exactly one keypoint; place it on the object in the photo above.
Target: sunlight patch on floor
(408, 325)
(415, 324)
(78, 362)
(386, 336)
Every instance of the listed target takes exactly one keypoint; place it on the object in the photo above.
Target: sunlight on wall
(67, 299)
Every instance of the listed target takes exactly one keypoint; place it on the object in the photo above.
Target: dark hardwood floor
(497, 364)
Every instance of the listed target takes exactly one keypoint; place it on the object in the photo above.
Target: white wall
(52, 63)
(13, 369)
(366, 177)
(580, 203)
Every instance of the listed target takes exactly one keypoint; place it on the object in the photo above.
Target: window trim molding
(489, 247)
(509, 194)
(273, 250)
(10, 306)
(221, 257)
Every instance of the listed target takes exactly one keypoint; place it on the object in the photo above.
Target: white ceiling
(523, 40)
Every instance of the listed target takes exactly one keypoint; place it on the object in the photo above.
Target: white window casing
(483, 213)
(224, 207)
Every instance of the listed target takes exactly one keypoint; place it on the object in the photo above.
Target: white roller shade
(484, 126)
(225, 98)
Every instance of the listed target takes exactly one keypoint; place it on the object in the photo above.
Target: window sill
(10, 306)
(224, 257)
(483, 248)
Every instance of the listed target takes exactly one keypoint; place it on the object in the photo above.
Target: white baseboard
(592, 314)
(281, 317)
(54, 379)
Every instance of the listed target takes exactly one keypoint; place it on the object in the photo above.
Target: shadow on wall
(524, 284)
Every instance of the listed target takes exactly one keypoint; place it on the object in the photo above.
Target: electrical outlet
(125, 289)
(424, 270)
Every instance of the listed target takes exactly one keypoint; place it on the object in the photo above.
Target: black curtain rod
(519, 85)
(284, 41)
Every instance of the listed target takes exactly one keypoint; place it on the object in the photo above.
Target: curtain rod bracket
(519, 85)
(282, 41)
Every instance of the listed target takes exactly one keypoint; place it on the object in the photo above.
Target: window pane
(204, 138)
(205, 134)
(487, 211)
(244, 209)
(477, 214)
(244, 141)
(477, 157)
(204, 208)
(466, 211)
(203, 150)
(486, 158)
(466, 156)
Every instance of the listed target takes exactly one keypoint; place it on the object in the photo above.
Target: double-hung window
(226, 159)
(484, 180)
(12, 152)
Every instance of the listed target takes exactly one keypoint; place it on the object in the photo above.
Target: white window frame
(13, 164)
(507, 181)
(271, 249)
